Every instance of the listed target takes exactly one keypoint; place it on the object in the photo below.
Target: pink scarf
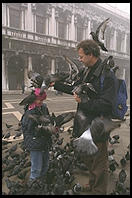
(38, 96)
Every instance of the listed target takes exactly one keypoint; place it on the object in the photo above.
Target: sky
(122, 6)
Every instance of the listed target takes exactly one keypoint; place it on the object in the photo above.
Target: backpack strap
(101, 81)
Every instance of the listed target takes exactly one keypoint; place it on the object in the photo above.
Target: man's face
(85, 59)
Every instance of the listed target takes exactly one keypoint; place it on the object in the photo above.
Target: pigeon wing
(72, 66)
(101, 29)
(28, 100)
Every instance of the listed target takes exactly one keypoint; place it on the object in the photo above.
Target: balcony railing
(14, 33)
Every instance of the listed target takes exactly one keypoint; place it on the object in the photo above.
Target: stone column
(124, 43)
(52, 23)
(4, 86)
(89, 29)
(52, 71)
(124, 74)
(52, 66)
(72, 32)
(29, 18)
(22, 19)
(4, 14)
(115, 40)
(27, 70)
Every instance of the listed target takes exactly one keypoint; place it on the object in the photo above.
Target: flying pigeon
(28, 100)
(36, 79)
(63, 118)
(74, 70)
(98, 36)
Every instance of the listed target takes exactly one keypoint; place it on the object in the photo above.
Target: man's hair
(89, 47)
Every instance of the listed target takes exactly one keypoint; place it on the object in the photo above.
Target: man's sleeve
(60, 86)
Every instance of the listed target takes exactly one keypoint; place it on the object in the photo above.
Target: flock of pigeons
(64, 160)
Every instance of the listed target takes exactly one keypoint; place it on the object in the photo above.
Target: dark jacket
(100, 105)
(32, 141)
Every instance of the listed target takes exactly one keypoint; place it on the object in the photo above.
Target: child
(35, 140)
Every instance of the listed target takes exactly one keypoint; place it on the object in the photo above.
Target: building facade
(35, 36)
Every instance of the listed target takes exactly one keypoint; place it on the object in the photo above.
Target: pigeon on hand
(85, 143)
(98, 36)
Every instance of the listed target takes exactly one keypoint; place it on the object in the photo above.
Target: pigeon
(116, 137)
(113, 141)
(85, 143)
(122, 176)
(8, 126)
(36, 79)
(127, 156)
(111, 152)
(63, 118)
(98, 37)
(74, 71)
(85, 88)
(77, 188)
(28, 99)
(7, 135)
(4, 142)
(112, 166)
(59, 142)
(18, 134)
(123, 162)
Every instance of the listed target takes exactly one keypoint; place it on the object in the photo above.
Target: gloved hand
(85, 143)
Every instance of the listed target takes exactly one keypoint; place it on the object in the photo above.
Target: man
(92, 108)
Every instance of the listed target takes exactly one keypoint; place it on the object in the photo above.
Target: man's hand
(77, 97)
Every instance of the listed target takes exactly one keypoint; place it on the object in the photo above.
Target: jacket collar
(98, 68)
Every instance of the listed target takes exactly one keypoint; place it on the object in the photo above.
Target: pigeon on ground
(111, 152)
(77, 188)
(127, 156)
(123, 162)
(122, 176)
(98, 36)
(18, 134)
(7, 135)
(113, 165)
(8, 126)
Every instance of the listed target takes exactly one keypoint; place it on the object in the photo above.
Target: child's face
(39, 102)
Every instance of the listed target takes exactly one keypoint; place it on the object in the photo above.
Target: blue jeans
(39, 163)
